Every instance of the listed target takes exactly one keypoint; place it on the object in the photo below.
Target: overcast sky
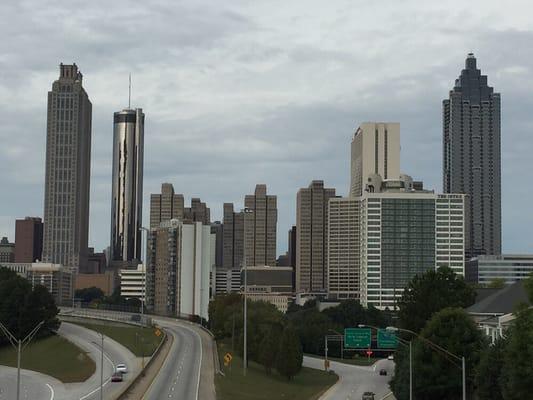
(244, 92)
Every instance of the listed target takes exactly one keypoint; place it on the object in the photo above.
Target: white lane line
(201, 356)
(105, 382)
(51, 391)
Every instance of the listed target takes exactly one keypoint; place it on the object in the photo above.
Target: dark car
(368, 396)
(116, 377)
(383, 371)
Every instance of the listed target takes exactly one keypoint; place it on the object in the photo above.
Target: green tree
(436, 375)
(517, 378)
(489, 371)
(269, 350)
(89, 294)
(290, 357)
(496, 283)
(311, 326)
(429, 293)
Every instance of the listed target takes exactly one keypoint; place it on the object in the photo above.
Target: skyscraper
(127, 186)
(260, 228)
(165, 206)
(311, 237)
(68, 170)
(471, 156)
(233, 241)
(375, 150)
(28, 240)
(197, 212)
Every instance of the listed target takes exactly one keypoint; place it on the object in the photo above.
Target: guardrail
(118, 316)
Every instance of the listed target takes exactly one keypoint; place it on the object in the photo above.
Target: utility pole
(410, 370)
(20, 345)
(102, 368)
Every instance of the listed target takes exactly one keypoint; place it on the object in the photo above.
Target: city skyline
(205, 157)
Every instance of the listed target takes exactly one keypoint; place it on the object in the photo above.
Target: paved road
(36, 386)
(179, 377)
(355, 380)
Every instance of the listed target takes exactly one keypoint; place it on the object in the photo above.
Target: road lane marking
(51, 391)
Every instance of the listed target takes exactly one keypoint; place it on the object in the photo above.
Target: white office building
(132, 282)
(484, 269)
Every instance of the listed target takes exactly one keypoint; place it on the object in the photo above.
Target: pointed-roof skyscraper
(471, 156)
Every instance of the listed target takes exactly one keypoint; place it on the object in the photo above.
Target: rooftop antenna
(129, 94)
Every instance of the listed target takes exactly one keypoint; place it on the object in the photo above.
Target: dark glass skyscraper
(127, 188)
(471, 156)
(68, 171)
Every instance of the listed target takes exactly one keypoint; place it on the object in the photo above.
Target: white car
(121, 368)
(391, 357)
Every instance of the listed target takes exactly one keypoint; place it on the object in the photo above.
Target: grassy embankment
(128, 335)
(309, 384)
(54, 356)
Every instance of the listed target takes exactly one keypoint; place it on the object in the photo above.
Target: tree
(290, 356)
(438, 376)
(268, 350)
(311, 326)
(496, 283)
(489, 371)
(429, 293)
(89, 294)
(517, 374)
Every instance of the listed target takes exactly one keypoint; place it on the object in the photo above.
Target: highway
(180, 375)
(36, 386)
(355, 380)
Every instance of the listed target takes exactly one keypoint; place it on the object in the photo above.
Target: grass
(54, 356)
(358, 360)
(129, 336)
(309, 384)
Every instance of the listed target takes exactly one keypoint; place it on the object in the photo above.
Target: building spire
(129, 93)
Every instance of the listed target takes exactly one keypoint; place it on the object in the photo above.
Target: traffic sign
(227, 358)
(157, 332)
(369, 353)
(357, 338)
(387, 339)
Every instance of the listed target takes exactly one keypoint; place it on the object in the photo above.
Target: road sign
(157, 332)
(227, 358)
(357, 338)
(387, 339)
(369, 353)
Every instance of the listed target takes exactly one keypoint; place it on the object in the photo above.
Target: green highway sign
(357, 338)
(387, 339)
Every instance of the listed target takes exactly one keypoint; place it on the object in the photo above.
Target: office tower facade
(197, 212)
(217, 228)
(7, 251)
(165, 206)
(311, 237)
(471, 156)
(292, 254)
(375, 149)
(28, 240)
(343, 250)
(404, 233)
(509, 268)
(127, 186)
(68, 170)
(179, 267)
(233, 240)
(260, 224)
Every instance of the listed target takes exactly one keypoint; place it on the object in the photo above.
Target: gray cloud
(257, 92)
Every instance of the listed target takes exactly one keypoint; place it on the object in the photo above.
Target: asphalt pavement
(179, 377)
(354, 380)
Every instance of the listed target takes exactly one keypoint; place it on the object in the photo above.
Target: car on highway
(368, 396)
(121, 368)
(383, 371)
(391, 357)
(116, 377)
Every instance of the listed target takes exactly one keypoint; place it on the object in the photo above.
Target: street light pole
(19, 345)
(410, 370)
(246, 210)
(102, 367)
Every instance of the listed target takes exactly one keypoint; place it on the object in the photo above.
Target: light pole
(143, 263)
(20, 345)
(245, 211)
(101, 364)
(436, 347)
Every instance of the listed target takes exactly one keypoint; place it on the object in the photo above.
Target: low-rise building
(510, 268)
(55, 277)
(227, 281)
(270, 284)
(7, 251)
(132, 282)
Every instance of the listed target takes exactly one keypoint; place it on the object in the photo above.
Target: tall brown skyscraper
(68, 170)
(260, 228)
(28, 240)
(311, 237)
(165, 206)
(233, 237)
(197, 212)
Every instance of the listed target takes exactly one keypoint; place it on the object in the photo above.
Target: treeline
(433, 307)
(272, 339)
(95, 297)
(22, 308)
